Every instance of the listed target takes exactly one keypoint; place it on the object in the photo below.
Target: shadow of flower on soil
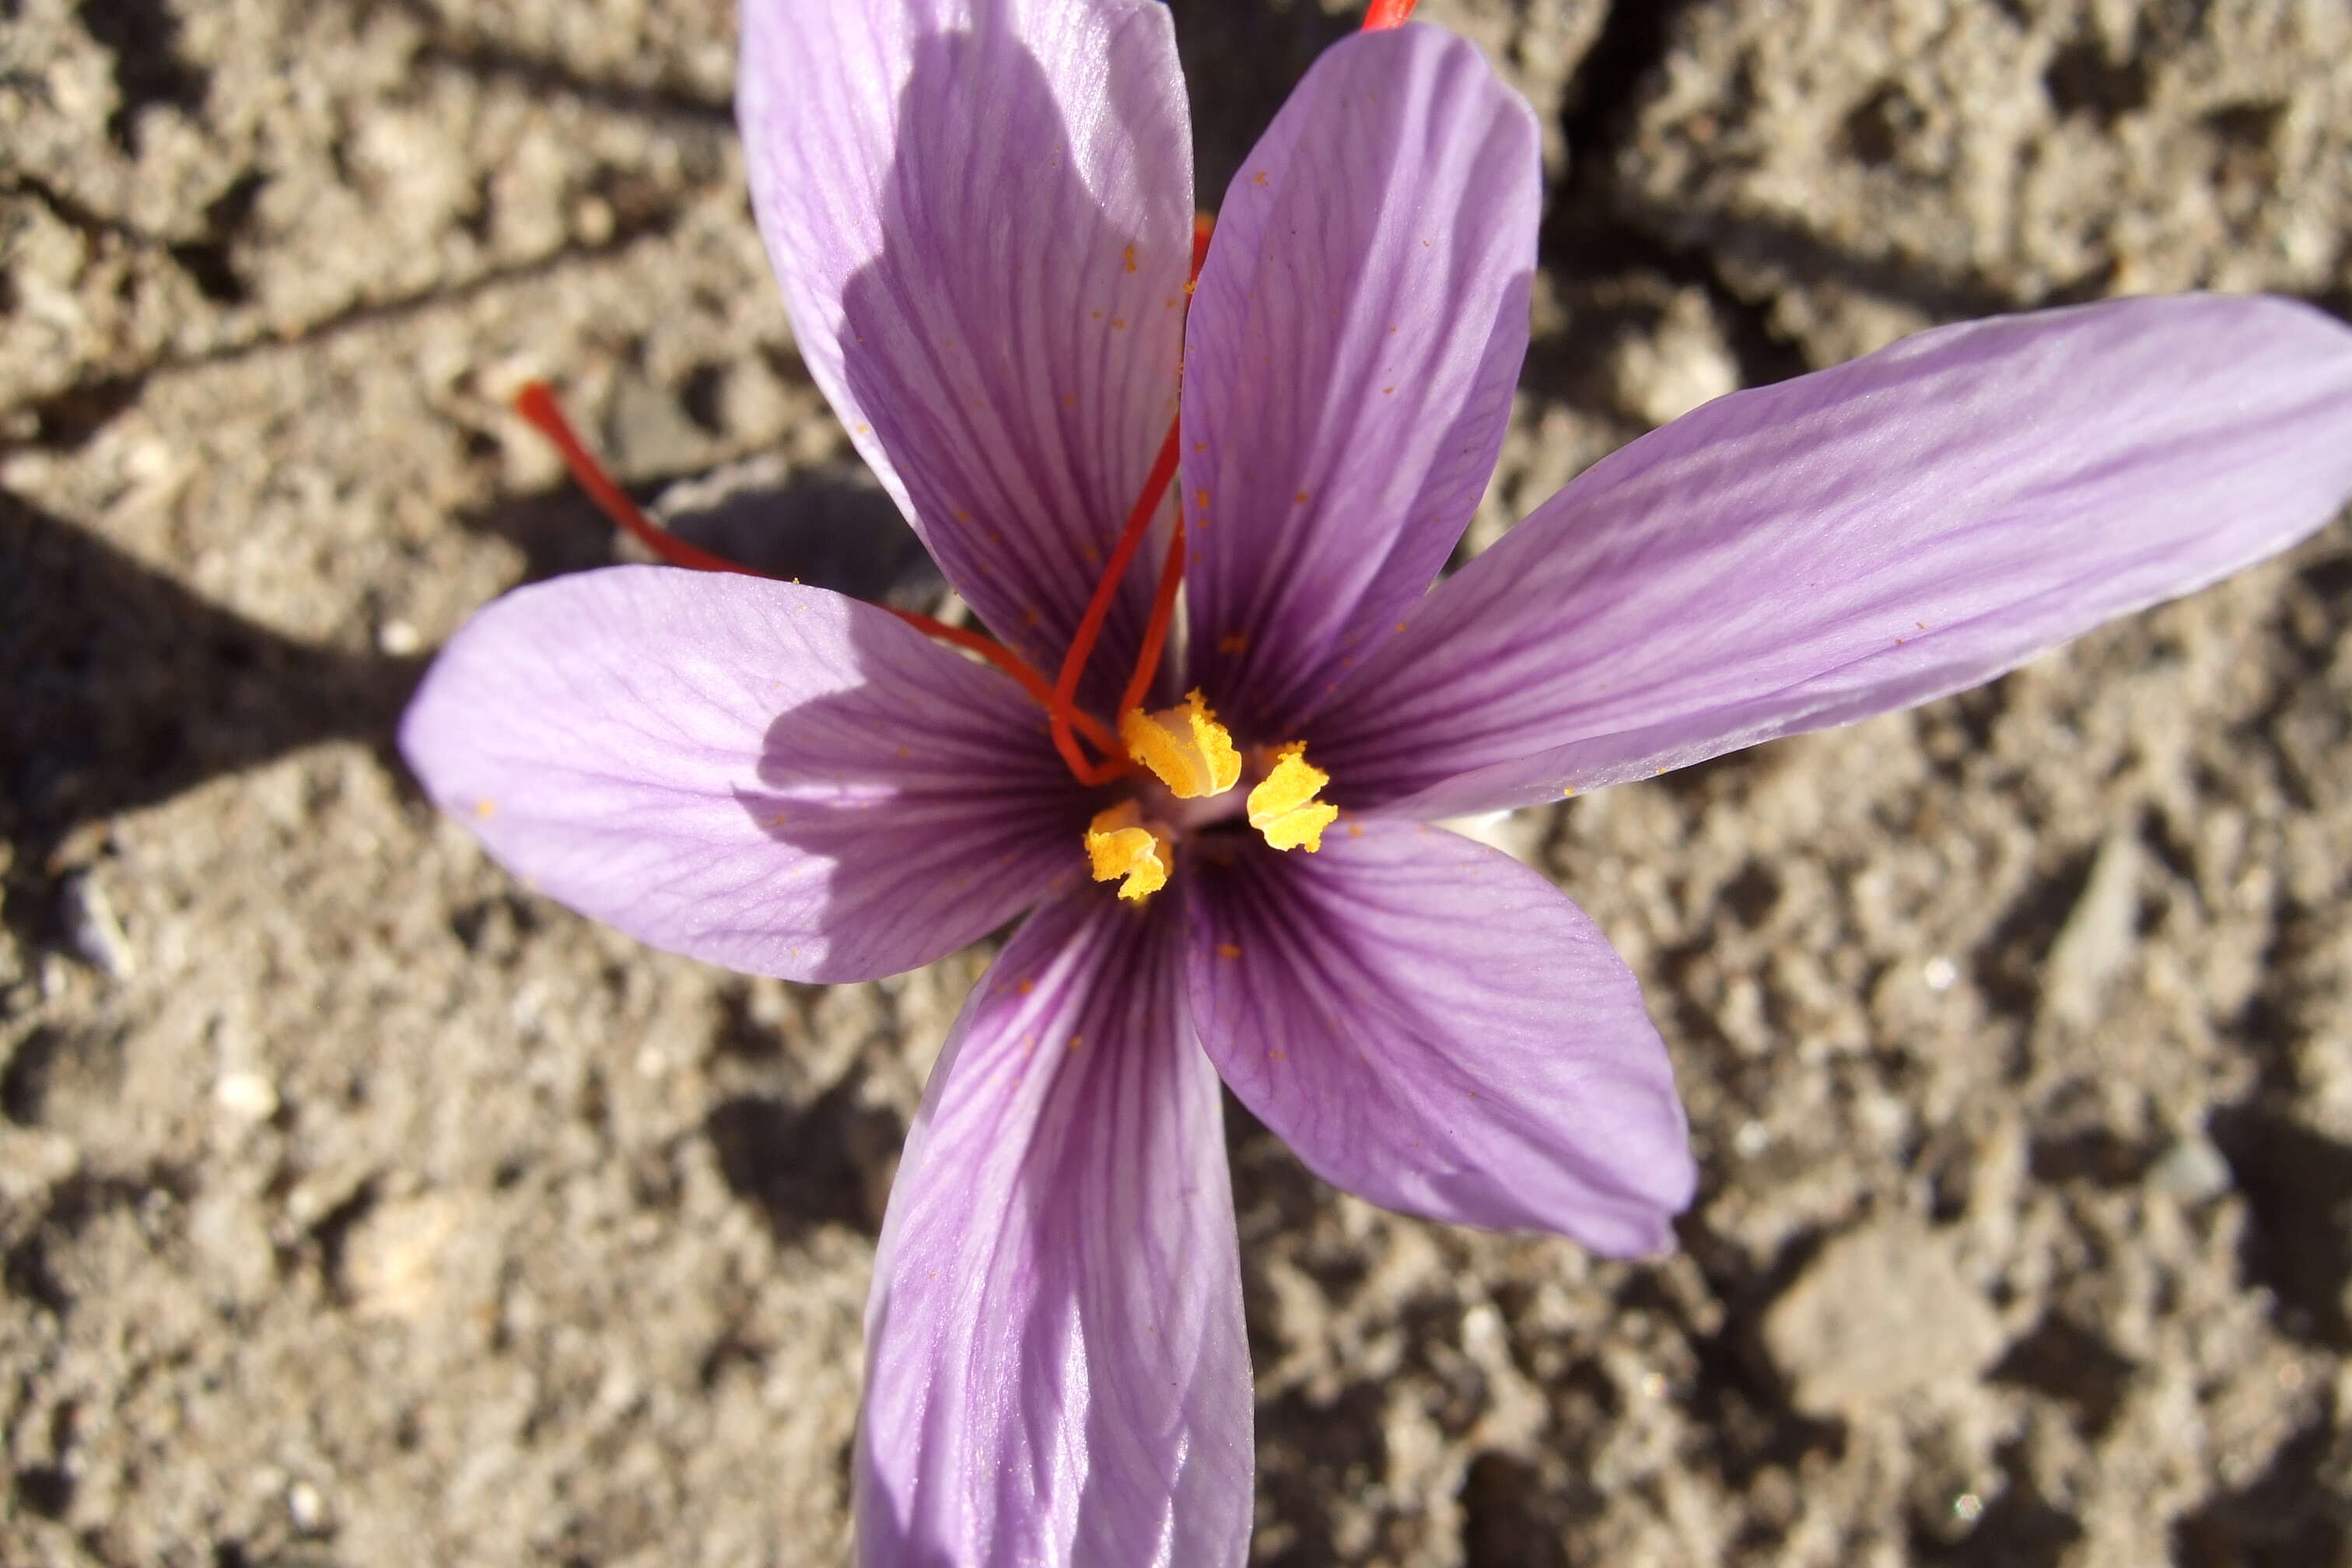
(125, 689)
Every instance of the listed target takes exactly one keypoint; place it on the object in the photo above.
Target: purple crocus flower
(981, 215)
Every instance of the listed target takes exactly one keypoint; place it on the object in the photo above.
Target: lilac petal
(1856, 541)
(1431, 1024)
(761, 775)
(1056, 1370)
(1349, 361)
(981, 215)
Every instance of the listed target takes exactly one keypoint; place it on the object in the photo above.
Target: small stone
(2192, 1170)
(304, 1507)
(398, 639)
(1883, 1313)
(1683, 363)
(2098, 937)
(593, 220)
(231, 1237)
(395, 1262)
(246, 1096)
(91, 925)
(1940, 973)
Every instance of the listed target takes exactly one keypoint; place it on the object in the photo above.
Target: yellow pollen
(1118, 844)
(1191, 754)
(1283, 807)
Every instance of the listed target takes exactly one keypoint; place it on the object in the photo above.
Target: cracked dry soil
(358, 1208)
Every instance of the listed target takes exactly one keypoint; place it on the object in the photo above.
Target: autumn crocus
(1212, 803)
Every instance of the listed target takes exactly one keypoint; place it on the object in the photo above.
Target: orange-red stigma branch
(1164, 600)
(1155, 632)
(538, 407)
(1011, 663)
(1090, 625)
(1381, 14)
(537, 404)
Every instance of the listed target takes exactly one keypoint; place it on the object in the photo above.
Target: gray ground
(358, 1208)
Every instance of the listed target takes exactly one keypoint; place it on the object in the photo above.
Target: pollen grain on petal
(1184, 746)
(1283, 807)
(1119, 846)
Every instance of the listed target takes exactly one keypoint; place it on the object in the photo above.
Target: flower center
(1198, 770)
(1184, 748)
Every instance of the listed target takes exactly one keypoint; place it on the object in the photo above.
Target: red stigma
(1090, 625)
(538, 407)
(537, 404)
(1381, 14)
(1064, 707)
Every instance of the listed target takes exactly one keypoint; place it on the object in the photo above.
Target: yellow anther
(1191, 753)
(1283, 807)
(1119, 845)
